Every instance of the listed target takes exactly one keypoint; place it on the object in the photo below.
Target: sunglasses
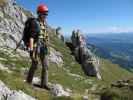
(43, 14)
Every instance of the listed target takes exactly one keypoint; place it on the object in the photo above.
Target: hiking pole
(17, 45)
(14, 50)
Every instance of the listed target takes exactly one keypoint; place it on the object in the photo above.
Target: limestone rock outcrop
(90, 63)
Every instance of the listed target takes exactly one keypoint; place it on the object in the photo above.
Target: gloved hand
(46, 43)
(30, 51)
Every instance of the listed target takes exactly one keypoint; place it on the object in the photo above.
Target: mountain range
(117, 47)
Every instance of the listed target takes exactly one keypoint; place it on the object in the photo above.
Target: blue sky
(90, 16)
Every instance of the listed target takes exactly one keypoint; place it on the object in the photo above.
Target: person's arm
(31, 43)
(33, 35)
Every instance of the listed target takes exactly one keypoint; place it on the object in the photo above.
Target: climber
(38, 46)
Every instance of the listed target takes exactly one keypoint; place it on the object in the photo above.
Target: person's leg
(32, 68)
(31, 72)
(44, 75)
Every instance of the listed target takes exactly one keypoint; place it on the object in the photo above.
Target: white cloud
(120, 29)
(112, 29)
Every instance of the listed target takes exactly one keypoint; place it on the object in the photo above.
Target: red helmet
(42, 8)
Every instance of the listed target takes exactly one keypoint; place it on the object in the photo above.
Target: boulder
(8, 94)
(85, 98)
(57, 90)
(89, 68)
(19, 95)
(56, 57)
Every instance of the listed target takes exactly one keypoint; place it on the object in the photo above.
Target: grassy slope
(114, 93)
(2, 1)
(110, 72)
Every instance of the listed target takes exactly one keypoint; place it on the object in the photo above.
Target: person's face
(42, 16)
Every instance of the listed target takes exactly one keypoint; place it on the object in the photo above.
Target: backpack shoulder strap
(35, 27)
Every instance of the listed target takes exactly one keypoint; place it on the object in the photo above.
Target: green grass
(15, 81)
(61, 77)
(67, 57)
(117, 94)
(3, 2)
(110, 72)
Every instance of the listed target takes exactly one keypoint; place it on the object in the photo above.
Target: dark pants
(44, 61)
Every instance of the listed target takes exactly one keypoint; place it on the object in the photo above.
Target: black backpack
(29, 30)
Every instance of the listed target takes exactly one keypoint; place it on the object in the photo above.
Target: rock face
(90, 63)
(74, 39)
(56, 57)
(12, 18)
(123, 83)
(57, 90)
(7, 94)
(59, 33)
